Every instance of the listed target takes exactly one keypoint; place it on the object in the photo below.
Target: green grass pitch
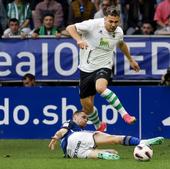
(34, 154)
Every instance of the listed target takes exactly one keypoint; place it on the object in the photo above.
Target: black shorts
(88, 81)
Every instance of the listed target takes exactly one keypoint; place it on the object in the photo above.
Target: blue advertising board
(57, 59)
(156, 111)
(35, 113)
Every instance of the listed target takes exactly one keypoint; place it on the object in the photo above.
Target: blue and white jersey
(71, 126)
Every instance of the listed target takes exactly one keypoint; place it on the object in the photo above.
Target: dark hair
(147, 22)
(48, 14)
(78, 111)
(14, 20)
(28, 75)
(112, 11)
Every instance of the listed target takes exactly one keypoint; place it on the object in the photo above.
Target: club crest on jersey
(104, 43)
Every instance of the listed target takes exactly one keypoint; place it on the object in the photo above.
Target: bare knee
(100, 89)
(101, 85)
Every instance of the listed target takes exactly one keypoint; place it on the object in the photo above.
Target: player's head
(80, 118)
(112, 19)
(28, 80)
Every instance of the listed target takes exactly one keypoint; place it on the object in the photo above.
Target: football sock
(94, 118)
(114, 101)
(130, 141)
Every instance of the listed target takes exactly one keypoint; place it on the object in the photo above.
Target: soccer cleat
(129, 119)
(152, 141)
(102, 127)
(108, 156)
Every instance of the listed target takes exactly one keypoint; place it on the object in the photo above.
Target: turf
(34, 154)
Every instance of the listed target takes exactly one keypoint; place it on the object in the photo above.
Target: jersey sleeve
(85, 26)
(120, 34)
(67, 124)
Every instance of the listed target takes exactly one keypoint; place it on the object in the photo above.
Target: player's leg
(112, 98)
(87, 93)
(82, 145)
(101, 87)
(87, 104)
(105, 139)
(107, 154)
(88, 107)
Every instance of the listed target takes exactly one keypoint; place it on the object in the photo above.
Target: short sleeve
(85, 26)
(68, 124)
(119, 34)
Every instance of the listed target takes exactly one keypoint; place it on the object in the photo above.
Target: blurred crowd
(32, 18)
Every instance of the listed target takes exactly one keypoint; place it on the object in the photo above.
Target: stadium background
(30, 116)
(40, 111)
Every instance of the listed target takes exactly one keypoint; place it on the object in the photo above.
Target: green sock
(94, 118)
(114, 101)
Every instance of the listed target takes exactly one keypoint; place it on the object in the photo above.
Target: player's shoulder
(96, 21)
(119, 30)
(90, 25)
(119, 33)
(66, 124)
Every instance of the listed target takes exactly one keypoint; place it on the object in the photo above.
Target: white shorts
(80, 144)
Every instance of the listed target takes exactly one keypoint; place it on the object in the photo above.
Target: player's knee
(100, 89)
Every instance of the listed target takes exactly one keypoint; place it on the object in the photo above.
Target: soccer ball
(143, 152)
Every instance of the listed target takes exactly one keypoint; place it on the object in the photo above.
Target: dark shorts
(88, 80)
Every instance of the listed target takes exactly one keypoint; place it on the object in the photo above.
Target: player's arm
(58, 135)
(71, 29)
(123, 47)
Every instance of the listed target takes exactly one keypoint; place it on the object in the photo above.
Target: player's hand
(134, 65)
(52, 143)
(82, 44)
